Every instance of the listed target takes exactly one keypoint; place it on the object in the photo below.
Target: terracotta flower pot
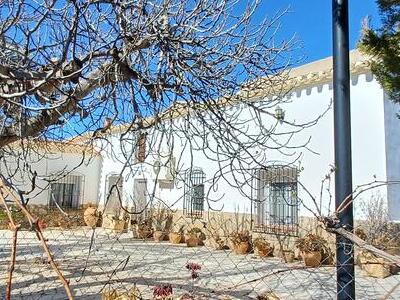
(158, 235)
(264, 251)
(90, 216)
(175, 238)
(242, 248)
(312, 258)
(192, 241)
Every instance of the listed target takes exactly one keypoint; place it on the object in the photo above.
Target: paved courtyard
(121, 262)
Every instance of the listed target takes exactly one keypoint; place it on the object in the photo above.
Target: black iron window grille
(193, 204)
(66, 192)
(275, 201)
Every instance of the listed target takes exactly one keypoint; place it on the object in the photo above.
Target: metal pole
(342, 129)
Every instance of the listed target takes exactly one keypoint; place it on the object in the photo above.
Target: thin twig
(39, 234)
(359, 190)
(12, 261)
(123, 263)
(14, 227)
(88, 255)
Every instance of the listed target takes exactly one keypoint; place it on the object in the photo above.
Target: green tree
(383, 44)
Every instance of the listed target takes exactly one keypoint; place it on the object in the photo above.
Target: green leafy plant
(383, 45)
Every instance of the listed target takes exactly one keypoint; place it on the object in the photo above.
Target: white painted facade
(58, 166)
(375, 144)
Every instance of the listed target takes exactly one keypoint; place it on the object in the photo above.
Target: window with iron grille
(275, 200)
(193, 204)
(66, 192)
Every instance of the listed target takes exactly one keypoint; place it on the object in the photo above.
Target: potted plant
(115, 221)
(311, 248)
(144, 229)
(91, 216)
(162, 221)
(158, 235)
(176, 237)
(117, 224)
(240, 239)
(264, 249)
(378, 231)
(241, 242)
(194, 237)
(216, 229)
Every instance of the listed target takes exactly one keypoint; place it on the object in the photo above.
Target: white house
(196, 176)
(188, 177)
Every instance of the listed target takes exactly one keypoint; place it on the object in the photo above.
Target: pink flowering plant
(163, 292)
(194, 269)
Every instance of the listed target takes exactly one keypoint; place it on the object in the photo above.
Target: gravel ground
(117, 261)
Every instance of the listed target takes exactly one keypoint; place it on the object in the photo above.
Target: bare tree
(206, 74)
(70, 68)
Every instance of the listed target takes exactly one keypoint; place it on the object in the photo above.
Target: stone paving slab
(120, 262)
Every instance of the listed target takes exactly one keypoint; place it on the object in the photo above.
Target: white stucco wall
(368, 143)
(392, 138)
(304, 105)
(53, 165)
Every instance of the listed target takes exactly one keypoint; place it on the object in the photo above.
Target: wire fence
(217, 256)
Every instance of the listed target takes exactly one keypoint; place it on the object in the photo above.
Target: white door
(140, 197)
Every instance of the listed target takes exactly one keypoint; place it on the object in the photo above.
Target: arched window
(193, 204)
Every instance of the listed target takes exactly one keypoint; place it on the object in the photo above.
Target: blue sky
(311, 21)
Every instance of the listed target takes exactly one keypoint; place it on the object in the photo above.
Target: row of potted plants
(159, 226)
(313, 249)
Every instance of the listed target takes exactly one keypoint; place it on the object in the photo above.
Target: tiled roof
(53, 147)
